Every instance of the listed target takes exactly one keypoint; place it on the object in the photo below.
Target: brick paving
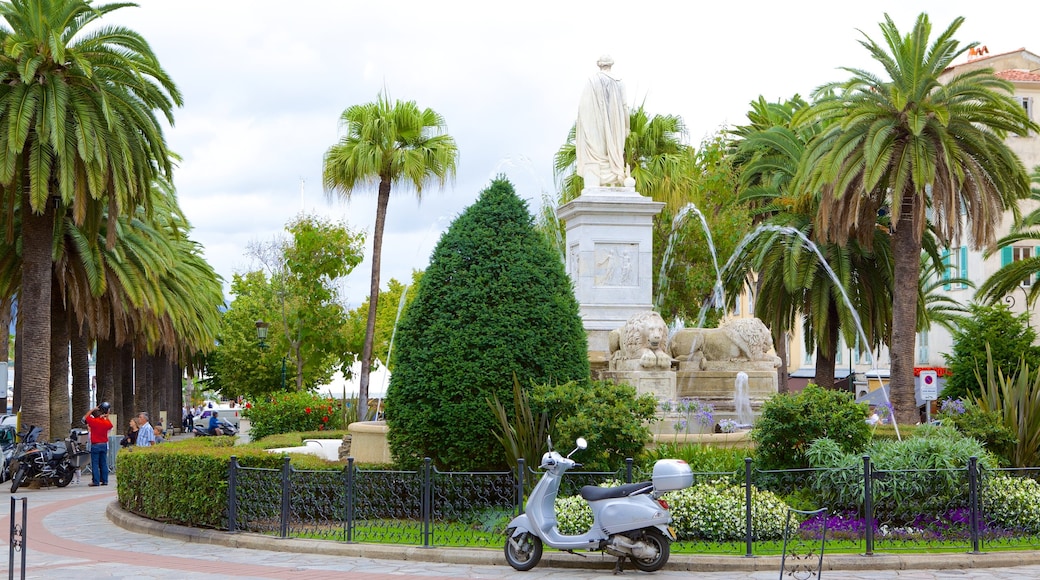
(80, 532)
(73, 532)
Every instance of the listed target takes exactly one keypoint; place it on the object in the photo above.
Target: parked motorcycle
(226, 426)
(628, 521)
(52, 463)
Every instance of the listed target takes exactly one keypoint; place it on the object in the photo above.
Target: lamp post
(261, 336)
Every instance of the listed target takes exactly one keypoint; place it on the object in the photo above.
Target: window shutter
(1006, 256)
(964, 264)
(946, 268)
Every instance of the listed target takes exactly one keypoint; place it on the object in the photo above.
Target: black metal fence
(866, 507)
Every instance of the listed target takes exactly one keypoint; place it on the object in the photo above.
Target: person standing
(99, 425)
(145, 432)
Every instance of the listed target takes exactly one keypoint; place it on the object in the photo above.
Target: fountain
(742, 401)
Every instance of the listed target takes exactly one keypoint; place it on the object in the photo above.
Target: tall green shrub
(495, 301)
(1010, 339)
(790, 423)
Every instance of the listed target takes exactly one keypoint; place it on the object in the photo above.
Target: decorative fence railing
(866, 510)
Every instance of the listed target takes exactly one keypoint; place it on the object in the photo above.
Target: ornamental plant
(289, 412)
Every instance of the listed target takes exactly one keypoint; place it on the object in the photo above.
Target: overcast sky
(265, 82)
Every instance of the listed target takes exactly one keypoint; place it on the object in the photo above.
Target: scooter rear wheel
(656, 539)
(524, 551)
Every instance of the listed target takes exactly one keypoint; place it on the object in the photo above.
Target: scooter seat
(596, 493)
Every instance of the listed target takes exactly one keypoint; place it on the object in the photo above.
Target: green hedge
(186, 482)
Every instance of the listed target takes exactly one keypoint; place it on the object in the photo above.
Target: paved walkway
(73, 532)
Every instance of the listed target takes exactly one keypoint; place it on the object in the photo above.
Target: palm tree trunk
(782, 374)
(126, 381)
(106, 372)
(140, 384)
(906, 247)
(80, 373)
(373, 298)
(61, 414)
(34, 312)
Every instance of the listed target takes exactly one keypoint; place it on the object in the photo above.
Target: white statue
(743, 342)
(641, 344)
(603, 125)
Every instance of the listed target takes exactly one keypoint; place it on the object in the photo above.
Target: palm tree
(78, 124)
(792, 279)
(386, 144)
(910, 144)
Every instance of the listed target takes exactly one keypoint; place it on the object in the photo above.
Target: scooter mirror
(549, 440)
(582, 443)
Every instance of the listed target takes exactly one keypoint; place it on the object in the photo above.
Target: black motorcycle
(226, 426)
(51, 463)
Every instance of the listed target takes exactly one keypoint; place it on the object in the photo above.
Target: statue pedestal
(660, 384)
(610, 257)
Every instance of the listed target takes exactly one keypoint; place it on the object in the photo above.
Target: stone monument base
(660, 384)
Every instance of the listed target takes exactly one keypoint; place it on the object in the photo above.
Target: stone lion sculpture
(641, 344)
(740, 340)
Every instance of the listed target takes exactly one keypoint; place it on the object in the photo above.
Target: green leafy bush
(1010, 339)
(289, 412)
(186, 482)
(927, 473)
(609, 416)
(791, 422)
(1012, 502)
(494, 302)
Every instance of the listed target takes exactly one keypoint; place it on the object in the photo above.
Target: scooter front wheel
(656, 540)
(524, 551)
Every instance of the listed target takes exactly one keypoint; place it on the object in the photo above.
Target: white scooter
(628, 521)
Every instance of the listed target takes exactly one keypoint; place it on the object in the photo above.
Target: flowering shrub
(1012, 502)
(573, 515)
(710, 511)
(289, 412)
(715, 511)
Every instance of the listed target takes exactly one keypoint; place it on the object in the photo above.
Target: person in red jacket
(98, 423)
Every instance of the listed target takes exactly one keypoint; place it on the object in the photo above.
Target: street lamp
(261, 336)
(261, 333)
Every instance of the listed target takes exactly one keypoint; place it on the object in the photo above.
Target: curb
(598, 560)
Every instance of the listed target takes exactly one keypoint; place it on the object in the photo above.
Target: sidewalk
(68, 535)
